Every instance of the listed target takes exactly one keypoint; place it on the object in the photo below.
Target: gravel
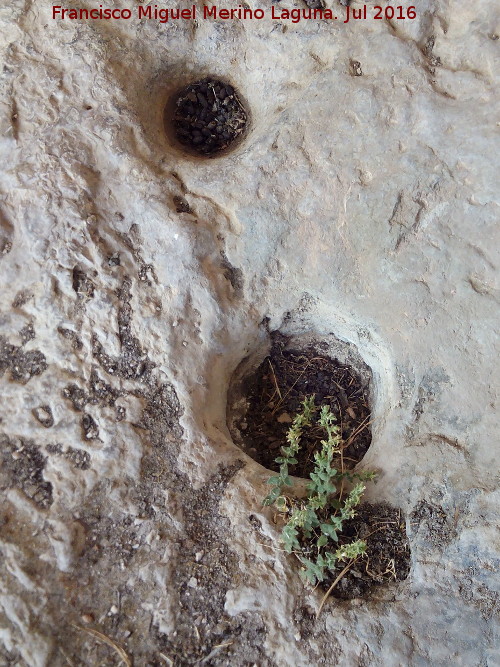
(208, 116)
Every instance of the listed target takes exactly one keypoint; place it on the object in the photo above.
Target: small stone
(284, 418)
(90, 428)
(202, 99)
(193, 582)
(355, 66)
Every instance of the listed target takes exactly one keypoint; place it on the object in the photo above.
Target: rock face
(135, 279)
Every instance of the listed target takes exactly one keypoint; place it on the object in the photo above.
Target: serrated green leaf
(271, 497)
(331, 560)
(281, 504)
(352, 550)
(336, 522)
(313, 572)
(322, 540)
(329, 530)
(289, 538)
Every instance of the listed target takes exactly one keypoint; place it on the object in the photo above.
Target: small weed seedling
(313, 528)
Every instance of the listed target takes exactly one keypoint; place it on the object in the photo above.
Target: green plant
(313, 528)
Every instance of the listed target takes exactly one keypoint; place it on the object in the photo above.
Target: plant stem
(346, 569)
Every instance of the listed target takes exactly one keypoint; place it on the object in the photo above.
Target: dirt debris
(275, 392)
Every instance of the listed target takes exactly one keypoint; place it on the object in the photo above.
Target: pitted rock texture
(362, 207)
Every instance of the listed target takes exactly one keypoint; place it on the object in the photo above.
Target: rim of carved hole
(264, 396)
(207, 118)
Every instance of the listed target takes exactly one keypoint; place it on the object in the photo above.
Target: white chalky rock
(363, 207)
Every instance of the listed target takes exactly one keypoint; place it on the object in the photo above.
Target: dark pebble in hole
(207, 116)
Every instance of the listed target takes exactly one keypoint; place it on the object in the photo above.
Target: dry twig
(325, 597)
(104, 638)
(275, 380)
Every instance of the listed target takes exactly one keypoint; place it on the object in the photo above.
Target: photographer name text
(276, 13)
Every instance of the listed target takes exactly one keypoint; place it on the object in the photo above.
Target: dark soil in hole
(208, 116)
(387, 556)
(274, 395)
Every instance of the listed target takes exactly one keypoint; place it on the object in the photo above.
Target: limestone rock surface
(362, 206)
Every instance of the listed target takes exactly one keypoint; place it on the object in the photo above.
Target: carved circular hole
(264, 397)
(266, 391)
(207, 117)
